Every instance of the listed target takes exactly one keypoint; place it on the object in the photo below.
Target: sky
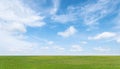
(59, 27)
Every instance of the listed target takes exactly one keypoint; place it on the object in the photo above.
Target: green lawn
(60, 62)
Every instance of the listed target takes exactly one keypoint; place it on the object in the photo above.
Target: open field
(60, 62)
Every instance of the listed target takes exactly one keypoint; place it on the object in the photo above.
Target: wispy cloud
(15, 17)
(10, 43)
(64, 18)
(76, 48)
(18, 20)
(89, 14)
(110, 36)
(117, 39)
(103, 35)
(92, 13)
(83, 42)
(101, 49)
(55, 7)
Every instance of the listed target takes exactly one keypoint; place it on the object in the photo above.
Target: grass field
(60, 62)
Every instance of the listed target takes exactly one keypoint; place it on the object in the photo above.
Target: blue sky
(59, 27)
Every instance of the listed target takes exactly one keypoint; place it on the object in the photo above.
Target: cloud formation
(101, 49)
(68, 32)
(55, 7)
(35, 26)
(103, 35)
(76, 48)
(15, 17)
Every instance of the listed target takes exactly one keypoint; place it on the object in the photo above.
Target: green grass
(60, 62)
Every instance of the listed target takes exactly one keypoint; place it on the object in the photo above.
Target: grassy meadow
(59, 62)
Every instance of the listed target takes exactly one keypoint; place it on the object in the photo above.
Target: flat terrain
(60, 62)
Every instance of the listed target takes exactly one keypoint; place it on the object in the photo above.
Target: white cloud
(118, 40)
(89, 13)
(64, 18)
(101, 49)
(68, 32)
(15, 17)
(55, 7)
(111, 36)
(52, 48)
(50, 42)
(103, 35)
(92, 13)
(76, 48)
(10, 43)
(83, 42)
